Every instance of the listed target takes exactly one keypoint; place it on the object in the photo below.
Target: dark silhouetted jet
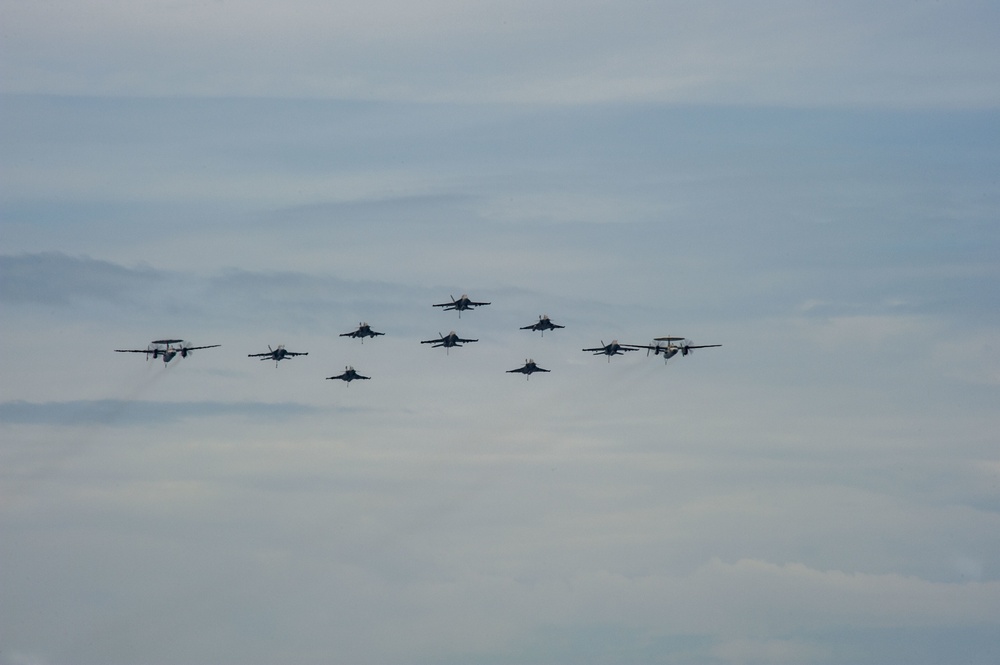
(349, 375)
(277, 354)
(448, 341)
(364, 330)
(542, 325)
(612, 349)
(462, 303)
(167, 349)
(529, 367)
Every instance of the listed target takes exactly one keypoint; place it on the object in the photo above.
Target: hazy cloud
(811, 185)
(119, 412)
(57, 279)
(799, 53)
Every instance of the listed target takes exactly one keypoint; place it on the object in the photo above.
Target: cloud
(135, 412)
(767, 651)
(57, 279)
(739, 612)
(816, 599)
(777, 52)
(824, 482)
(21, 658)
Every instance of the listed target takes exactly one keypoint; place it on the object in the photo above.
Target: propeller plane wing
(167, 349)
(672, 347)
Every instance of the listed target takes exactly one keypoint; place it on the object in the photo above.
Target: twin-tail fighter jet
(670, 349)
(543, 324)
(277, 354)
(612, 349)
(462, 303)
(349, 375)
(448, 341)
(364, 330)
(167, 349)
(528, 369)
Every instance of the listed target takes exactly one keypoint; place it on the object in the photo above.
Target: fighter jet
(612, 349)
(167, 349)
(529, 367)
(349, 375)
(364, 330)
(448, 341)
(460, 304)
(542, 325)
(277, 354)
(669, 350)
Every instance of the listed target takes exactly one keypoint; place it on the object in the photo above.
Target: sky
(812, 185)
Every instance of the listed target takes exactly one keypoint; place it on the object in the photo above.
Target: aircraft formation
(668, 347)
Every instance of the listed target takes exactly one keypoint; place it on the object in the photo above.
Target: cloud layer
(786, 53)
(810, 185)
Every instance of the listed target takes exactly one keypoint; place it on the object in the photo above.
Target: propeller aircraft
(277, 354)
(461, 304)
(529, 367)
(670, 349)
(167, 349)
(543, 324)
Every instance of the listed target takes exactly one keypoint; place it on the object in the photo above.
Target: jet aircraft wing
(461, 303)
(270, 354)
(349, 375)
(527, 369)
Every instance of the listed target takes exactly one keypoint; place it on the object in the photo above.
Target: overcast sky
(812, 185)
